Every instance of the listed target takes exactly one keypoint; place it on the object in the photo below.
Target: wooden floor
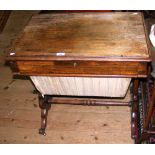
(20, 114)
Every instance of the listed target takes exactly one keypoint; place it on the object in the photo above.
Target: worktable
(84, 57)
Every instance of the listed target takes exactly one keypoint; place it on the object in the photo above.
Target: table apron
(81, 68)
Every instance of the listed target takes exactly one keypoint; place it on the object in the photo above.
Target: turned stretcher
(84, 58)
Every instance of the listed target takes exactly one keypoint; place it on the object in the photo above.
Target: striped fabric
(81, 86)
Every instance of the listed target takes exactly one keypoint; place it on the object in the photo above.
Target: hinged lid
(116, 35)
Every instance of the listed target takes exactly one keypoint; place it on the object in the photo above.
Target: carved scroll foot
(42, 132)
(45, 106)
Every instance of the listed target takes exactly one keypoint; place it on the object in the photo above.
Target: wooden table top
(83, 35)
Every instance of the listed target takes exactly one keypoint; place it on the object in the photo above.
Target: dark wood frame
(146, 98)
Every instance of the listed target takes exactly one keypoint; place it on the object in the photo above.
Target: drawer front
(82, 68)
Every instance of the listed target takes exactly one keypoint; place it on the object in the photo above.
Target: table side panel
(82, 68)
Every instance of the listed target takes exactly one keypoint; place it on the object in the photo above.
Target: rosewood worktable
(98, 46)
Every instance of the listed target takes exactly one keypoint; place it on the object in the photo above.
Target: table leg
(134, 111)
(45, 106)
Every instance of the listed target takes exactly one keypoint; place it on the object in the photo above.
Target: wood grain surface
(104, 35)
(81, 68)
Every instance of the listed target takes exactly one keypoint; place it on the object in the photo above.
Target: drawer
(82, 68)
